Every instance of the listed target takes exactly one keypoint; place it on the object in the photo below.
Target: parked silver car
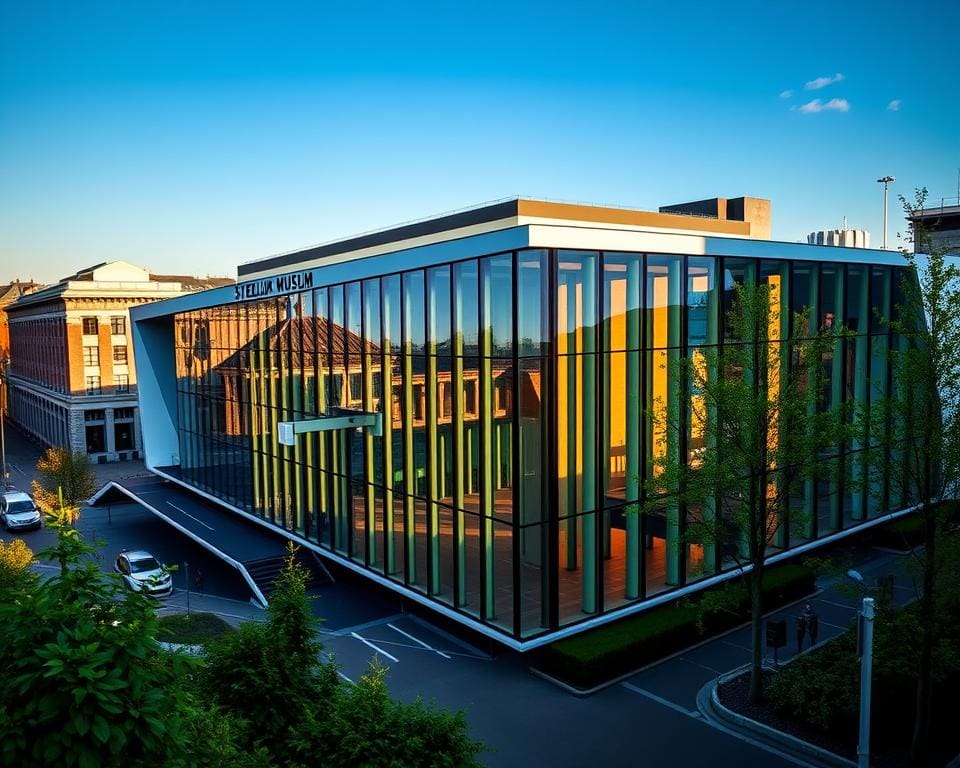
(142, 572)
(18, 512)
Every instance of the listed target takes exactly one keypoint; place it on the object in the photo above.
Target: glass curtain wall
(523, 397)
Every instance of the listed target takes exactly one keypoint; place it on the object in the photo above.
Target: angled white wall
(157, 389)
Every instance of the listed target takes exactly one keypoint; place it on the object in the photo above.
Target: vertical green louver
(673, 544)
(634, 551)
(487, 487)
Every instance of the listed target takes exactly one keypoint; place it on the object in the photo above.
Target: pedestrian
(198, 580)
(813, 623)
(801, 631)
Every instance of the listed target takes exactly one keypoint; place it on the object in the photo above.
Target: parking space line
(660, 700)
(378, 650)
(735, 645)
(345, 677)
(838, 605)
(210, 527)
(835, 626)
(344, 631)
(702, 666)
(418, 641)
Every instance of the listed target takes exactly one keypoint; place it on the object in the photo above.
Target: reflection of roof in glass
(304, 338)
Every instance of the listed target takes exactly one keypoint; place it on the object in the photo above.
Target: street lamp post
(865, 648)
(886, 181)
(865, 618)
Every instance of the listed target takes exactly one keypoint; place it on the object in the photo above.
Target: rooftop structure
(942, 223)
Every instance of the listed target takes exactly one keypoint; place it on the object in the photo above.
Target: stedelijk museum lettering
(273, 286)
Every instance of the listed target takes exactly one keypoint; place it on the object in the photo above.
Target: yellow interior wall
(659, 337)
(616, 386)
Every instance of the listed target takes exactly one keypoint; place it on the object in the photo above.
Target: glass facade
(517, 391)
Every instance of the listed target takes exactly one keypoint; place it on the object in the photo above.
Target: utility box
(776, 633)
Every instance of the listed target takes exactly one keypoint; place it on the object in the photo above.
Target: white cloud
(786, 94)
(834, 105)
(894, 106)
(822, 82)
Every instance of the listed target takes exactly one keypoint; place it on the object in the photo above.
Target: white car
(142, 572)
(18, 512)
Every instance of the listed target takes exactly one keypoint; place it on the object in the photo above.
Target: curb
(583, 692)
(708, 703)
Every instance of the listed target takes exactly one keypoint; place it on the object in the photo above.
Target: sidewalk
(23, 453)
(678, 682)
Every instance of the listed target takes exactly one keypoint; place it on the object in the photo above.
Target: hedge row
(902, 534)
(599, 655)
(906, 532)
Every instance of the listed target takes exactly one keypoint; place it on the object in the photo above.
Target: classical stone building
(71, 379)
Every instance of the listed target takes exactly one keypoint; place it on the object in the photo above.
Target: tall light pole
(886, 181)
(865, 617)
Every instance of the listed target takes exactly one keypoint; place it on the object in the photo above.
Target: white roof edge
(580, 236)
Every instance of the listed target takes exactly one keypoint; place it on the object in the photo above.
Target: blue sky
(191, 139)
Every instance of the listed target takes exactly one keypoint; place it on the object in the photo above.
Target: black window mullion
(515, 449)
(683, 414)
(645, 350)
(599, 466)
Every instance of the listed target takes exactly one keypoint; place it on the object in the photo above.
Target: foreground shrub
(366, 727)
(83, 681)
(15, 556)
(283, 701)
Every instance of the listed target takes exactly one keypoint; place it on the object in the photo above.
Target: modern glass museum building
(515, 352)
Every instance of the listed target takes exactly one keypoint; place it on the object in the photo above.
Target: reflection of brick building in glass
(521, 354)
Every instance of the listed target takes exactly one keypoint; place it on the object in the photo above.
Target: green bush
(83, 681)
(902, 534)
(822, 689)
(364, 726)
(281, 702)
(191, 629)
(602, 654)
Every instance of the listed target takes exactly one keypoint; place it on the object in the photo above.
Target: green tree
(83, 681)
(282, 696)
(66, 479)
(923, 440)
(274, 667)
(763, 431)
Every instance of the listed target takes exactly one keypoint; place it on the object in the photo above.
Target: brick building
(71, 378)
(9, 293)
